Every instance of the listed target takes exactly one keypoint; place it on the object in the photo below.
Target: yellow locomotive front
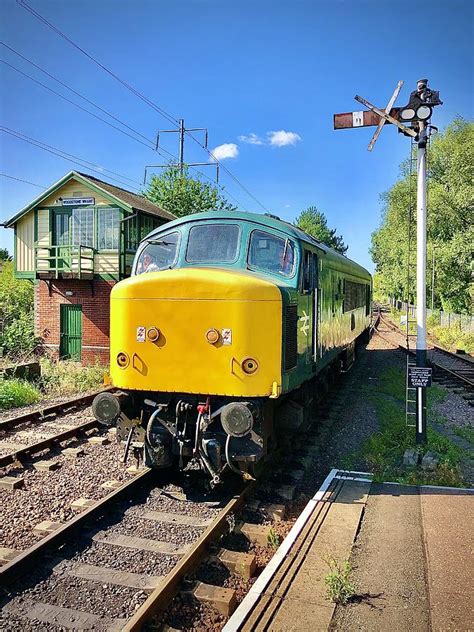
(195, 353)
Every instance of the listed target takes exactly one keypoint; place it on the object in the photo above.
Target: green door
(70, 332)
(62, 239)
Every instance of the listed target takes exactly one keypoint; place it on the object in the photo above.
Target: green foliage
(16, 314)
(273, 539)
(15, 393)
(450, 223)
(181, 195)
(314, 223)
(340, 588)
(453, 337)
(4, 256)
(67, 377)
(466, 433)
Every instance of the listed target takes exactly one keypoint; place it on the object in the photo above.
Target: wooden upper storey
(82, 228)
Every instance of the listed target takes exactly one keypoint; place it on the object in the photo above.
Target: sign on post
(419, 376)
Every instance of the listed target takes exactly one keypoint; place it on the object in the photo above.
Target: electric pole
(418, 112)
(182, 131)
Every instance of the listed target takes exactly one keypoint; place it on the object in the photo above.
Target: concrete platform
(411, 549)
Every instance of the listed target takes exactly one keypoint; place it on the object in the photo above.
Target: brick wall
(95, 315)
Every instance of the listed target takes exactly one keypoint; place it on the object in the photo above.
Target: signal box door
(70, 332)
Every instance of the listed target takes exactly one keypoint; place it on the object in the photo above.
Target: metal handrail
(57, 256)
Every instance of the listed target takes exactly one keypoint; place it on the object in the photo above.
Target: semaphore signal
(417, 113)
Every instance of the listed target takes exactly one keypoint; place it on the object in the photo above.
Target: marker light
(122, 360)
(212, 336)
(153, 334)
(249, 365)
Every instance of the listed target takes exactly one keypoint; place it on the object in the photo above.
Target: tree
(181, 195)
(17, 336)
(4, 256)
(450, 224)
(314, 223)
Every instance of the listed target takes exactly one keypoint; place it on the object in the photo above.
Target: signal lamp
(153, 334)
(424, 112)
(212, 336)
(122, 360)
(407, 114)
(249, 365)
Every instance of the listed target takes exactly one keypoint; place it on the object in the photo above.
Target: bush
(16, 313)
(15, 393)
(454, 338)
(340, 588)
(67, 377)
(18, 339)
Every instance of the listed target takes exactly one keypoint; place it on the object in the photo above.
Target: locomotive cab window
(158, 254)
(271, 253)
(309, 272)
(213, 243)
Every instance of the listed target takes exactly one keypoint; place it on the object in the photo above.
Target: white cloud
(227, 150)
(282, 138)
(287, 205)
(251, 139)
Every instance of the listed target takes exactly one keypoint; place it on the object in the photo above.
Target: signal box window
(270, 253)
(159, 254)
(213, 243)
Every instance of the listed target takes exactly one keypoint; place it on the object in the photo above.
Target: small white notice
(226, 336)
(357, 119)
(141, 334)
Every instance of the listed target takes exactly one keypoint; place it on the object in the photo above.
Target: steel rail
(458, 376)
(44, 444)
(29, 558)
(163, 594)
(41, 414)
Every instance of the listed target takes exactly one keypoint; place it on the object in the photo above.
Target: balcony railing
(64, 262)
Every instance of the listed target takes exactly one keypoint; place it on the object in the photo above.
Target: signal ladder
(410, 392)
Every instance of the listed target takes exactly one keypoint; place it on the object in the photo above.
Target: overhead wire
(6, 175)
(71, 157)
(172, 119)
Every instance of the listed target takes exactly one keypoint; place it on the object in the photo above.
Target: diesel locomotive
(227, 330)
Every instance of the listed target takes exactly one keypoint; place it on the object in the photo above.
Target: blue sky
(239, 68)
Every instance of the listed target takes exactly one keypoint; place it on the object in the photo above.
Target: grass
(383, 451)
(340, 588)
(466, 433)
(14, 393)
(68, 378)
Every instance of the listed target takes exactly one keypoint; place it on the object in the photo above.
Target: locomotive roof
(265, 220)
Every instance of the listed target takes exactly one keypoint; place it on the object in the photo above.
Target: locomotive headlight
(122, 360)
(212, 336)
(237, 418)
(153, 334)
(249, 365)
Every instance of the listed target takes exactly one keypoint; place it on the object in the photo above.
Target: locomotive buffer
(418, 113)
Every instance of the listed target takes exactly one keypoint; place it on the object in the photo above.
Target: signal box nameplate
(419, 376)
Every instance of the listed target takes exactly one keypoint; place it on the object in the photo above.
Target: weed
(340, 588)
(14, 392)
(273, 539)
(67, 377)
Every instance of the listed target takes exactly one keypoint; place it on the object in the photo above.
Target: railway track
(89, 552)
(19, 441)
(450, 369)
(121, 562)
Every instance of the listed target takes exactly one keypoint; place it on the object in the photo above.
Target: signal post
(418, 114)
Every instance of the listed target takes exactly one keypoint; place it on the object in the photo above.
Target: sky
(264, 77)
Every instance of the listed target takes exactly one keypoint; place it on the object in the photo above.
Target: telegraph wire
(6, 175)
(71, 158)
(65, 85)
(136, 92)
(74, 103)
(166, 115)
